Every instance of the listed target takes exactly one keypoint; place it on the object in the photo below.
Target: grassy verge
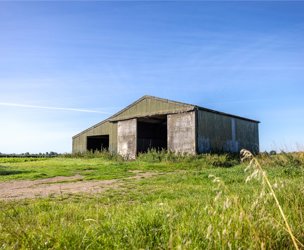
(197, 203)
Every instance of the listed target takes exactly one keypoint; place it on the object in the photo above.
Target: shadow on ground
(6, 171)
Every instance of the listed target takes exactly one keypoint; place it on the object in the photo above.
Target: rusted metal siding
(216, 132)
(105, 128)
(181, 133)
(127, 138)
(149, 106)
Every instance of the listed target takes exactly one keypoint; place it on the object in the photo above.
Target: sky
(65, 66)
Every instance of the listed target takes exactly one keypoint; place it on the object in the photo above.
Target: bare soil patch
(61, 185)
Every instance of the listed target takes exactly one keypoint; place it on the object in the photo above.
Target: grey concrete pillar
(181, 133)
(127, 138)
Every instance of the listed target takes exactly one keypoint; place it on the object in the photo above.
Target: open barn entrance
(151, 133)
(98, 143)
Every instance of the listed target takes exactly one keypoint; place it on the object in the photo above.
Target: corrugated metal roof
(151, 105)
(222, 113)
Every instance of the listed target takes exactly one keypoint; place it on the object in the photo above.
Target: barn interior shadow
(6, 171)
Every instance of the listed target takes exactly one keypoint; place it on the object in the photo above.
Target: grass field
(201, 202)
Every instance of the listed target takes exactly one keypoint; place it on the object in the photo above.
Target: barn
(152, 122)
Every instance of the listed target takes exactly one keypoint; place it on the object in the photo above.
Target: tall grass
(259, 173)
(208, 206)
(104, 154)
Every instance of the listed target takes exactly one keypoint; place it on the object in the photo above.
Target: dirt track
(60, 185)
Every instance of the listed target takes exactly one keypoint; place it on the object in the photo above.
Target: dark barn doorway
(151, 133)
(98, 143)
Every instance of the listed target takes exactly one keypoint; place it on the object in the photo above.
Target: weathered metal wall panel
(127, 138)
(247, 134)
(216, 132)
(106, 128)
(151, 106)
(77, 144)
(213, 132)
(181, 133)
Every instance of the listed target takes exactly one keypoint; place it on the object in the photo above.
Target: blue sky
(245, 58)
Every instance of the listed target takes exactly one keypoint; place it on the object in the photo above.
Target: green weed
(197, 202)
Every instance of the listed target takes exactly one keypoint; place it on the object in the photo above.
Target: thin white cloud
(51, 108)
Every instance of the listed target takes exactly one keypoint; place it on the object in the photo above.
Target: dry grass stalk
(258, 173)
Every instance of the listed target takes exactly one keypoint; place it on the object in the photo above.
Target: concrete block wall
(181, 133)
(127, 138)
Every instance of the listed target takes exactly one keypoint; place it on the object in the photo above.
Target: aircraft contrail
(51, 108)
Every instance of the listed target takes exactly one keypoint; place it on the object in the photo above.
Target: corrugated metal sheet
(217, 132)
(104, 128)
(214, 130)
(149, 106)
(247, 134)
